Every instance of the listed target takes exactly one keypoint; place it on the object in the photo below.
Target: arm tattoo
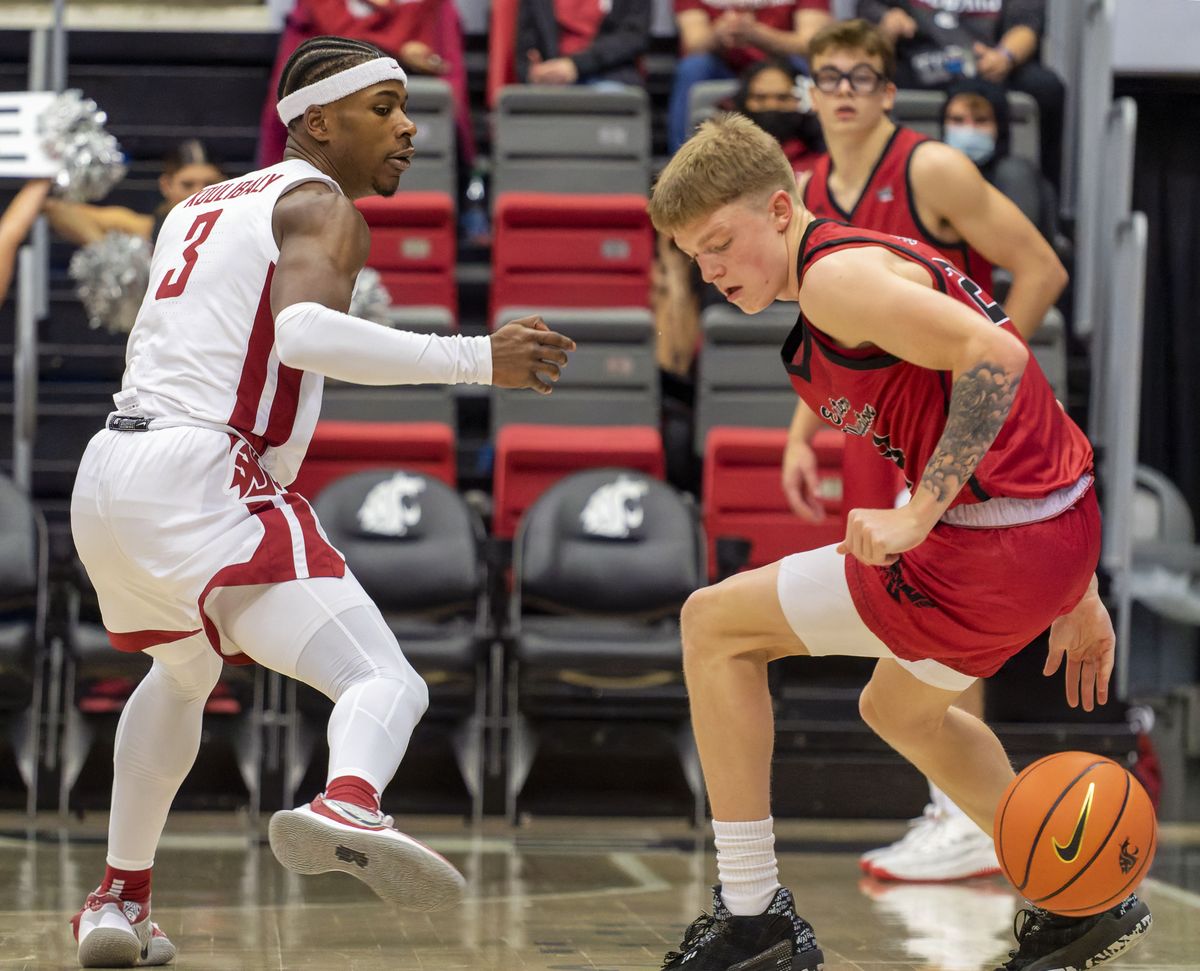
(980, 400)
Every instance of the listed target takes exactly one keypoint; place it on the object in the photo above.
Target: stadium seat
(550, 138)
(431, 108)
(743, 498)
(571, 251)
(705, 96)
(531, 458)
(339, 448)
(602, 565)
(23, 577)
(415, 546)
(413, 246)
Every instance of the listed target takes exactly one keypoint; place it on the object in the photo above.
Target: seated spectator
(769, 97)
(937, 42)
(15, 222)
(975, 121)
(581, 41)
(425, 36)
(719, 38)
(186, 170)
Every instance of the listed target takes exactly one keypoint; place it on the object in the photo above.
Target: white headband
(338, 86)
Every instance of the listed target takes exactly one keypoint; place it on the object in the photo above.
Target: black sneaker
(1047, 942)
(775, 940)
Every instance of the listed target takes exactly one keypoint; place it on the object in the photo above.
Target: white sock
(947, 808)
(746, 865)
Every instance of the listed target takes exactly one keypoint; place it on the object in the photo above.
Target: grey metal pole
(58, 48)
(25, 369)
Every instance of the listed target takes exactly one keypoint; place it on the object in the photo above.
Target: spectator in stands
(770, 97)
(187, 169)
(975, 121)
(425, 36)
(937, 41)
(581, 41)
(15, 222)
(719, 38)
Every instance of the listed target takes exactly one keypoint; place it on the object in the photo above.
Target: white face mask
(977, 145)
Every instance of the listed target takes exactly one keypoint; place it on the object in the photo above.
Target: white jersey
(203, 346)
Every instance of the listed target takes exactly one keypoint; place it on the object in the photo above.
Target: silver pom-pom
(111, 276)
(370, 299)
(72, 131)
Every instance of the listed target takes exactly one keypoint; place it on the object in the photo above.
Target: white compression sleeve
(311, 337)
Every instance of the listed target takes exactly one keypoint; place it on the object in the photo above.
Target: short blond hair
(729, 157)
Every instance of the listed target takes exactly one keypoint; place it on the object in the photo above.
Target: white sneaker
(115, 933)
(331, 835)
(954, 849)
(918, 829)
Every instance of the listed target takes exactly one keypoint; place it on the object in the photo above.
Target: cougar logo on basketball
(391, 508)
(615, 508)
(1069, 851)
(1129, 857)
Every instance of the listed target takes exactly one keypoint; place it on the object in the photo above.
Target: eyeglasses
(863, 79)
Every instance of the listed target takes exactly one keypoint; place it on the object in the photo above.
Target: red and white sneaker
(954, 848)
(115, 933)
(328, 834)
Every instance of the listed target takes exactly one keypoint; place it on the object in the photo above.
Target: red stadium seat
(413, 247)
(571, 251)
(743, 497)
(339, 448)
(531, 458)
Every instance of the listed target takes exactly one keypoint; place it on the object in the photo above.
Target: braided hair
(322, 57)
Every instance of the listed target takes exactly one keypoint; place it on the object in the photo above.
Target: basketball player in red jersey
(881, 176)
(180, 513)
(999, 541)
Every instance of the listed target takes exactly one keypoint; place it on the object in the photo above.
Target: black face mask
(783, 126)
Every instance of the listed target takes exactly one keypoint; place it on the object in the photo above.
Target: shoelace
(1026, 924)
(696, 930)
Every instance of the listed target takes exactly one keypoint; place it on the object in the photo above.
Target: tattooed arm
(871, 296)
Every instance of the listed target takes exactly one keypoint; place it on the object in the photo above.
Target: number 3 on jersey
(176, 279)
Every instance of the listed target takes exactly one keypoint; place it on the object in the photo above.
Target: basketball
(1075, 833)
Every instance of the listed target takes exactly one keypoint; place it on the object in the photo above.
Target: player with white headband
(181, 514)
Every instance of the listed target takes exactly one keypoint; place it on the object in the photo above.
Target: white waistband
(1005, 511)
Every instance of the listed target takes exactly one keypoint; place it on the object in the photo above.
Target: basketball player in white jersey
(181, 515)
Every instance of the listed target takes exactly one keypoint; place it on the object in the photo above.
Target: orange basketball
(1075, 833)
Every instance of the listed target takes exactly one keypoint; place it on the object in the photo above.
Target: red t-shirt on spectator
(780, 14)
(578, 22)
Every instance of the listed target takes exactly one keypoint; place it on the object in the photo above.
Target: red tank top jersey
(901, 408)
(886, 204)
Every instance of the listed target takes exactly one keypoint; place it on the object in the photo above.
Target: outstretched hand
(1085, 637)
(528, 354)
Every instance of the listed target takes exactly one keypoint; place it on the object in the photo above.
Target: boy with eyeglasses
(1000, 540)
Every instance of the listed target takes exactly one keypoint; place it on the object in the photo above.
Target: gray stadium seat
(922, 111)
(741, 377)
(612, 379)
(602, 564)
(431, 106)
(704, 97)
(1049, 346)
(571, 140)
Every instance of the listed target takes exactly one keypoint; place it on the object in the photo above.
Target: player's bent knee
(700, 625)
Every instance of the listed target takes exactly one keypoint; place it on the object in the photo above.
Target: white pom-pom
(370, 299)
(72, 131)
(111, 276)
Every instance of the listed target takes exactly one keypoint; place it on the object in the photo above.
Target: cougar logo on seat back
(391, 507)
(615, 508)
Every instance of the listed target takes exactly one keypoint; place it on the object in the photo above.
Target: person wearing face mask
(879, 176)
(767, 95)
(975, 121)
(187, 169)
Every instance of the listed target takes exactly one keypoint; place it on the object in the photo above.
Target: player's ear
(316, 122)
(889, 95)
(783, 209)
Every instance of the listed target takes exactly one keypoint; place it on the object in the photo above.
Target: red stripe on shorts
(323, 560)
(254, 369)
(133, 641)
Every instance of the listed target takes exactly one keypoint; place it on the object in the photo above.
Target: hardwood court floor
(557, 895)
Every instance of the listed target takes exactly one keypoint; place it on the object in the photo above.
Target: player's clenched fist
(528, 354)
(879, 536)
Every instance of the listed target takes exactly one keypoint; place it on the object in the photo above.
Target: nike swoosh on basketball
(1069, 851)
